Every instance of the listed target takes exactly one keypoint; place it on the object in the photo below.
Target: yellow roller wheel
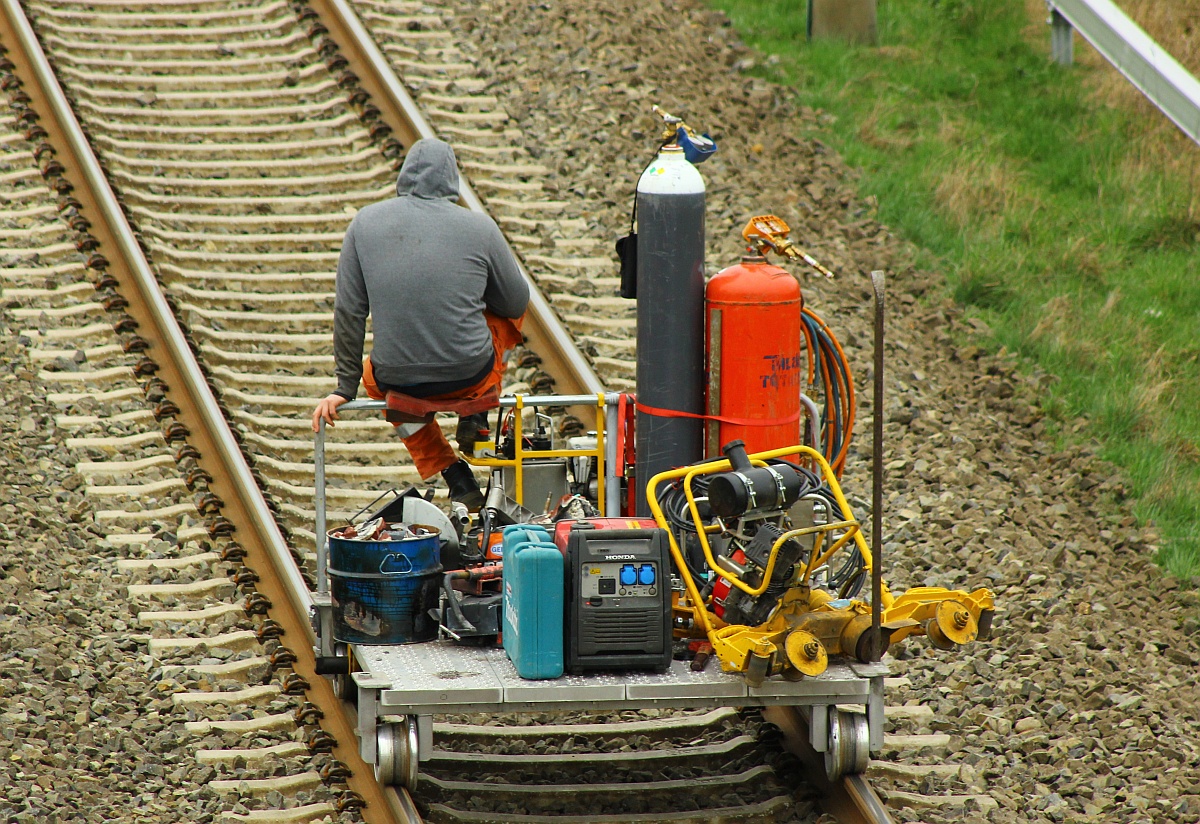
(758, 667)
(955, 622)
(934, 633)
(806, 653)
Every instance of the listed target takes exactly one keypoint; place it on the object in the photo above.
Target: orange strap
(675, 413)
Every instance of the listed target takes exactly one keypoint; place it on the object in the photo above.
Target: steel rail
(851, 799)
(243, 502)
(547, 336)
(1145, 64)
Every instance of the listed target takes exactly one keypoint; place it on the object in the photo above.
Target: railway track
(240, 141)
(150, 486)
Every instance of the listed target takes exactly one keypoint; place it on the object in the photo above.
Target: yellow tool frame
(520, 454)
(807, 626)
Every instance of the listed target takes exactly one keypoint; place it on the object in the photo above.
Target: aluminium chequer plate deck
(441, 677)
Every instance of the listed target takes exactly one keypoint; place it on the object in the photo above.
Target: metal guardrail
(1146, 65)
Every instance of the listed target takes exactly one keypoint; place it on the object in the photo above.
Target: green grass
(1035, 203)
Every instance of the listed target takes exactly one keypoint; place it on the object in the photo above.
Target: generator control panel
(623, 578)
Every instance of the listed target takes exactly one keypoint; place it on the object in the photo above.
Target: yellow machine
(768, 608)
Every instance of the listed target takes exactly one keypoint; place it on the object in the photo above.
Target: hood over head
(429, 171)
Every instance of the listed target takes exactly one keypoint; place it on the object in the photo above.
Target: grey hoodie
(424, 268)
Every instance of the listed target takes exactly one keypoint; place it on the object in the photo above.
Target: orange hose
(810, 347)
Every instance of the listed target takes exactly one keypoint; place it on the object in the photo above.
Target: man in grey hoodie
(445, 297)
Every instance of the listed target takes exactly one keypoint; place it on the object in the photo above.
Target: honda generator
(618, 594)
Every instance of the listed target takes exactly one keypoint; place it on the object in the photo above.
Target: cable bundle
(847, 579)
(829, 370)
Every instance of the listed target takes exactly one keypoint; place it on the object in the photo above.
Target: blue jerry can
(533, 603)
(522, 533)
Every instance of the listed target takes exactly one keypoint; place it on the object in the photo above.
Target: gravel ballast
(1083, 707)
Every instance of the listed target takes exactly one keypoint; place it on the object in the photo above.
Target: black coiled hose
(829, 371)
(847, 579)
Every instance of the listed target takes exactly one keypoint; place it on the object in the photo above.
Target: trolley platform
(442, 677)
(401, 687)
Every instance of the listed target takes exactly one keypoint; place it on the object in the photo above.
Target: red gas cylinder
(755, 360)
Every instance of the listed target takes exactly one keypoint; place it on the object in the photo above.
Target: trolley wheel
(396, 753)
(342, 682)
(344, 687)
(849, 747)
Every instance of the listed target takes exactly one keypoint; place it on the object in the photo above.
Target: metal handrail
(603, 405)
(1158, 75)
(607, 442)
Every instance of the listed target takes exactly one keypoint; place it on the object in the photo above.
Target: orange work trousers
(431, 452)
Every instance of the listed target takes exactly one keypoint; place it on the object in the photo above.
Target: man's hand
(327, 409)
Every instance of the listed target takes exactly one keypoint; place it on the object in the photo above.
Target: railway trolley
(400, 687)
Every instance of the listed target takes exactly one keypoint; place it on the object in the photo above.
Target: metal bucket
(382, 591)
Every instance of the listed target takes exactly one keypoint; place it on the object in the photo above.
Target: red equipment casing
(755, 362)
(563, 528)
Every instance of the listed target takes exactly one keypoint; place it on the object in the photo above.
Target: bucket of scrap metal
(383, 579)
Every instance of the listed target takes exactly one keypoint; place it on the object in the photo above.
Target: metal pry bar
(877, 285)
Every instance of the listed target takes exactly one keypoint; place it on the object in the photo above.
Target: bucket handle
(407, 564)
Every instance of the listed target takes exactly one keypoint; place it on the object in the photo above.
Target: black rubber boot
(467, 431)
(463, 486)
